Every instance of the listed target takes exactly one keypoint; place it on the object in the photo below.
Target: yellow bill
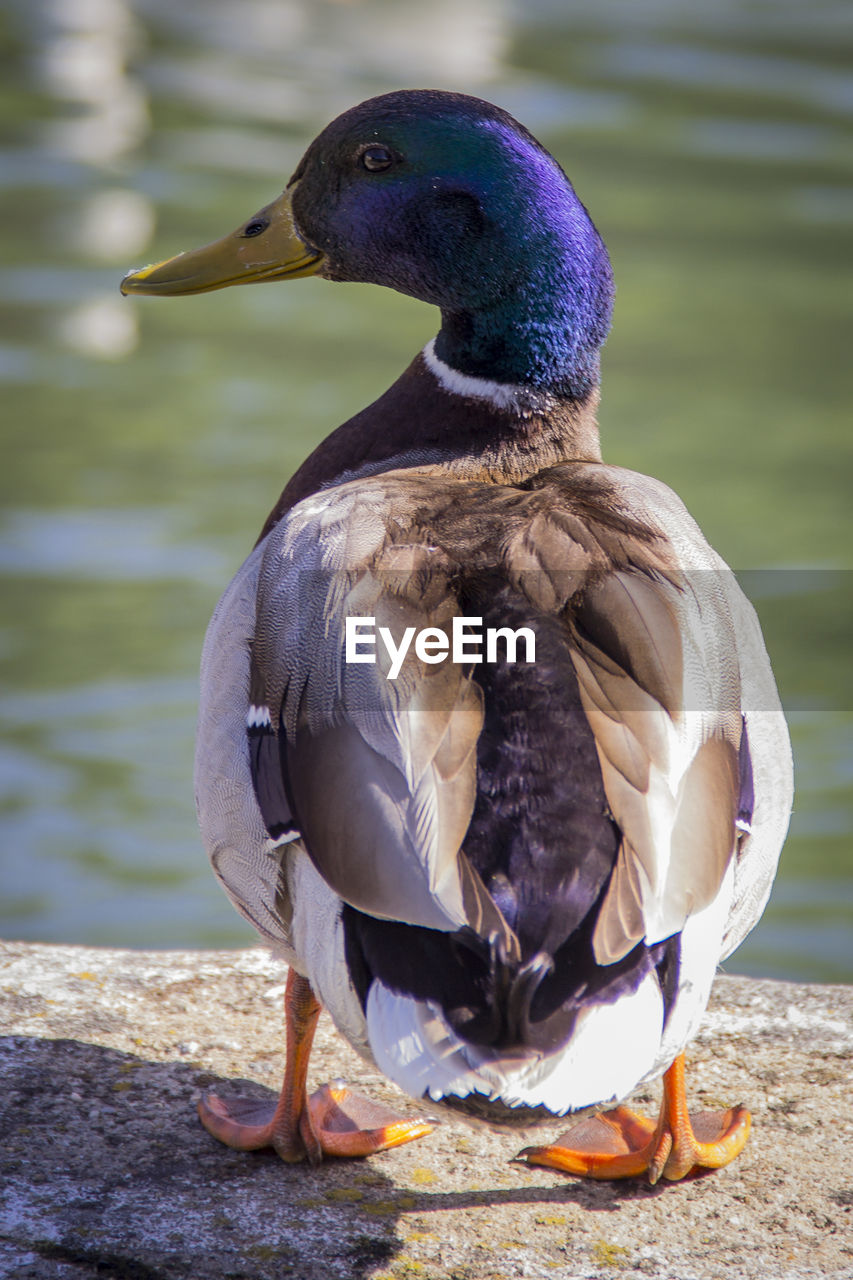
(267, 247)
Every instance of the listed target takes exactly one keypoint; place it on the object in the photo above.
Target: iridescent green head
(449, 199)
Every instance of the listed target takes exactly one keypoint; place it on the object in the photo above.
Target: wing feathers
(382, 773)
(670, 775)
(628, 617)
(621, 923)
(368, 835)
(704, 829)
(614, 739)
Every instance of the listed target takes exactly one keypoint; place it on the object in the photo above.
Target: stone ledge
(106, 1172)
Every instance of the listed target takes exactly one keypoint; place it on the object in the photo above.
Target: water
(144, 441)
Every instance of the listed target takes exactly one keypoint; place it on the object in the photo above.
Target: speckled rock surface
(106, 1172)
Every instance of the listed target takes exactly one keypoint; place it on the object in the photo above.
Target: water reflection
(712, 147)
(285, 61)
(111, 225)
(82, 57)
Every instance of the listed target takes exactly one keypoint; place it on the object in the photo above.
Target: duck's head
(448, 199)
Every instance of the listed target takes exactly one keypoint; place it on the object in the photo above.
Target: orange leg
(621, 1144)
(332, 1122)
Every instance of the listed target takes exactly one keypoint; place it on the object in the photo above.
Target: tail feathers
(612, 1047)
(501, 1016)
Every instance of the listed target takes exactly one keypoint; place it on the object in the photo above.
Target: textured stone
(106, 1172)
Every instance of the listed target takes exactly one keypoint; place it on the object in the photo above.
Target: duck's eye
(255, 227)
(376, 159)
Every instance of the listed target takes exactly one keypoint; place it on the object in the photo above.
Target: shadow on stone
(108, 1173)
(105, 1170)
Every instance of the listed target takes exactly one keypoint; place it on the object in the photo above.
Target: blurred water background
(144, 441)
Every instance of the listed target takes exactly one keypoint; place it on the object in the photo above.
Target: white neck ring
(501, 395)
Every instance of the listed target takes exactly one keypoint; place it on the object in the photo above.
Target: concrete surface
(106, 1172)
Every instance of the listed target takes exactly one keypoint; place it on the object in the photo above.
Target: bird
(489, 749)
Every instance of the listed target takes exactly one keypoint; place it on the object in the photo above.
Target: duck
(489, 746)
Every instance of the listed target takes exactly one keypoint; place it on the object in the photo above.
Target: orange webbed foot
(334, 1122)
(348, 1124)
(612, 1144)
(250, 1124)
(621, 1144)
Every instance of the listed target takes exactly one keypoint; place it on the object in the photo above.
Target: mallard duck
(489, 745)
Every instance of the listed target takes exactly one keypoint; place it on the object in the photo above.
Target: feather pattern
(397, 787)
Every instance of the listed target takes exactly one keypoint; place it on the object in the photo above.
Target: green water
(144, 441)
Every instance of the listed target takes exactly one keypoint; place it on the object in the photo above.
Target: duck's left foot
(621, 1144)
(333, 1122)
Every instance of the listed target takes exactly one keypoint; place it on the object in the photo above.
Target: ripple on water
(122, 543)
